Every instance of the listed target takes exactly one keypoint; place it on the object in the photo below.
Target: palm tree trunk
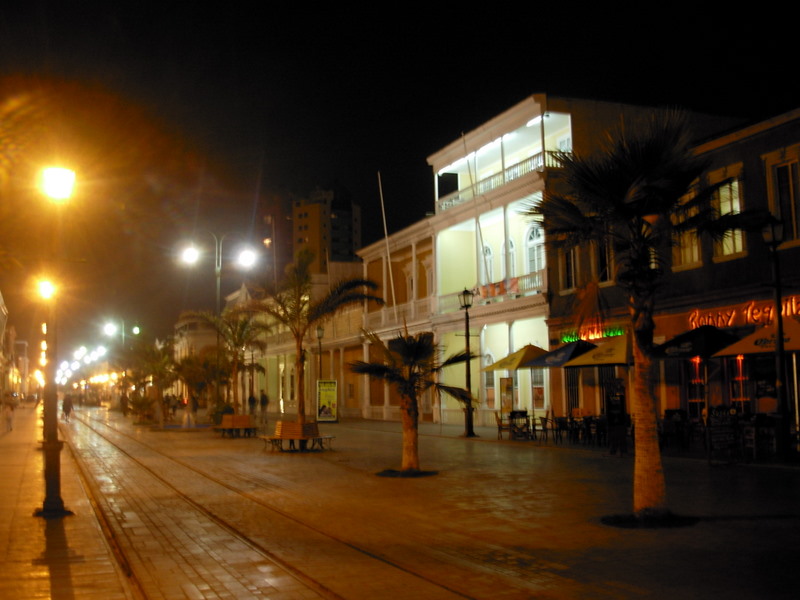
(235, 386)
(299, 368)
(649, 488)
(410, 421)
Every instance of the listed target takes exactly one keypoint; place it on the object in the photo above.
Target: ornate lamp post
(57, 184)
(246, 259)
(465, 300)
(773, 237)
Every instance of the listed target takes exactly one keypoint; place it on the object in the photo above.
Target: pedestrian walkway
(65, 557)
(522, 511)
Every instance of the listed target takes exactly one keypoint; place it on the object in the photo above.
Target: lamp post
(773, 237)
(246, 258)
(320, 334)
(57, 184)
(465, 300)
(110, 329)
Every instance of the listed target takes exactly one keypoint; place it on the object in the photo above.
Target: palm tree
(633, 196)
(409, 363)
(158, 362)
(291, 304)
(196, 370)
(240, 330)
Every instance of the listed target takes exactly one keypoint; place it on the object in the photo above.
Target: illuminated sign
(752, 313)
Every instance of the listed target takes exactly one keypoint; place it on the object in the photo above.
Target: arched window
(487, 265)
(512, 261)
(534, 246)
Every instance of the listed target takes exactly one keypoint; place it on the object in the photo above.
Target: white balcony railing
(537, 162)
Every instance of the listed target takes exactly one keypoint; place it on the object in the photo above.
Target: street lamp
(246, 259)
(110, 329)
(57, 184)
(320, 334)
(465, 300)
(773, 237)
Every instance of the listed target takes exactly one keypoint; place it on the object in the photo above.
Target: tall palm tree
(291, 304)
(240, 331)
(409, 363)
(634, 196)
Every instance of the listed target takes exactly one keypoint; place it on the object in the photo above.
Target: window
(487, 266)
(686, 251)
(570, 269)
(535, 249)
(785, 198)
(512, 261)
(783, 188)
(727, 201)
(602, 255)
(488, 376)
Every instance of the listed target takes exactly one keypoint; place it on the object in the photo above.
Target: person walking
(66, 406)
(8, 415)
(264, 402)
(251, 403)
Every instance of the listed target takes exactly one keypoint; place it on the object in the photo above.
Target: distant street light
(246, 258)
(110, 329)
(57, 184)
(465, 301)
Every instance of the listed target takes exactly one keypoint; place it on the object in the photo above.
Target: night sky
(187, 113)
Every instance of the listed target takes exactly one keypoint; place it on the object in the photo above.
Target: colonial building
(479, 238)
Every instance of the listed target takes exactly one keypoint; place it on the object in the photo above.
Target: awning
(701, 341)
(615, 351)
(513, 361)
(557, 358)
(764, 340)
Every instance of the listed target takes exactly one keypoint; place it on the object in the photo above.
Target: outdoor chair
(501, 425)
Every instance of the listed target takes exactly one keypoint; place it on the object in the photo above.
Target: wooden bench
(292, 432)
(237, 426)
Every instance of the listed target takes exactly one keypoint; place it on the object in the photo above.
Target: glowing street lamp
(246, 258)
(57, 184)
(110, 329)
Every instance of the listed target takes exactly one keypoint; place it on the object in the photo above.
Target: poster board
(506, 394)
(326, 400)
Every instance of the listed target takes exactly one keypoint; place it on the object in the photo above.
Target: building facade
(479, 238)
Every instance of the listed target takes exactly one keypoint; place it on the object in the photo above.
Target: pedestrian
(8, 415)
(251, 403)
(66, 406)
(190, 412)
(123, 404)
(264, 401)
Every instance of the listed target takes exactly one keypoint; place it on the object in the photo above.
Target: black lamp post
(773, 237)
(57, 184)
(465, 300)
(320, 334)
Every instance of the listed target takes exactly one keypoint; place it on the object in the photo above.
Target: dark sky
(283, 99)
